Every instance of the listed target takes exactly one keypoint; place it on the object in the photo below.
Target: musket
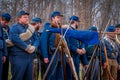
(109, 32)
(90, 63)
(70, 60)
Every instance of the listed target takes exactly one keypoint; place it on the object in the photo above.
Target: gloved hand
(30, 49)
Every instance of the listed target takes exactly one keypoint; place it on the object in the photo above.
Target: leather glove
(28, 48)
(32, 49)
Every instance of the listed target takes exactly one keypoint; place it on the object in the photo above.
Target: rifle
(70, 60)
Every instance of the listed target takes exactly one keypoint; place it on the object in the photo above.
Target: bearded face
(57, 19)
(4, 23)
(24, 19)
(117, 29)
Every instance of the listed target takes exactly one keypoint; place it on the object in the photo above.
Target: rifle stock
(70, 60)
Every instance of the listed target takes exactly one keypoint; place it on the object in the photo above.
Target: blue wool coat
(21, 61)
(3, 49)
(48, 48)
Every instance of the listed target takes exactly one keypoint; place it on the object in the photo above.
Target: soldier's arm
(1, 38)
(70, 45)
(44, 43)
(36, 40)
(118, 59)
(14, 37)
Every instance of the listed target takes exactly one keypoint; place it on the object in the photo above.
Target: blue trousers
(0, 66)
(21, 67)
(5, 69)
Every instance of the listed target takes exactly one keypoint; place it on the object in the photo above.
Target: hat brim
(22, 14)
(25, 14)
(59, 15)
(77, 20)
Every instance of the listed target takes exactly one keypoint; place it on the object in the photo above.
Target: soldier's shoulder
(47, 25)
(14, 27)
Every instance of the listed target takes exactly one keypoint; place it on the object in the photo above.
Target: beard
(76, 26)
(25, 22)
(37, 28)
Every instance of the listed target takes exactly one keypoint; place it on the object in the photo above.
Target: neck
(22, 23)
(73, 25)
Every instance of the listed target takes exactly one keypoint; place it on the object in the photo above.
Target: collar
(72, 27)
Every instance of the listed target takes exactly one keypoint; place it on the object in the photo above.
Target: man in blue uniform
(5, 18)
(113, 54)
(3, 47)
(117, 27)
(77, 50)
(22, 53)
(37, 24)
(49, 42)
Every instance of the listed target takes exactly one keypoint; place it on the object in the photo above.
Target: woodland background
(91, 12)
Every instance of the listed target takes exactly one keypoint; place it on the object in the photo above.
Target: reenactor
(5, 18)
(117, 27)
(4, 22)
(49, 43)
(25, 43)
(112, 55)
(77, 50)
(37, 24)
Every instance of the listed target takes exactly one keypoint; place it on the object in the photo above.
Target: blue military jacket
(47, 42)
(3, 47)
(73, 44)
(20, 45)
(6, 32)
(112, 53)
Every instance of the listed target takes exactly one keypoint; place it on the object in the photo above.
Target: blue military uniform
(21, 61)
(6, 64)
(117, 27)
(47, 43)
(6, 17)
(48, 48)
(113, 54)
(3, 49)
(73, 45)
(38, 58)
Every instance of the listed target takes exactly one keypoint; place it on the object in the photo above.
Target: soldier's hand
(3, 59)
(32, 49)
(79, 51)
(118, 67)
(86, 66)
(46, 60)
(28, 48)
(83, 51)
(105, 65)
